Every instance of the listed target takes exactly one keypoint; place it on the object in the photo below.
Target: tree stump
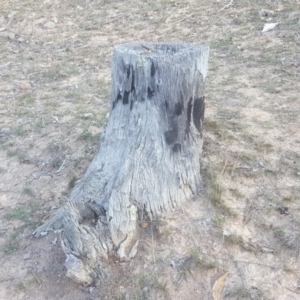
(148, 160)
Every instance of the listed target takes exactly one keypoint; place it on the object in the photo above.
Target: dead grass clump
(215, 191)
(72, 182)
(234, 239)
(237, 193)
(210, 125)
(191, 262)
(144, 286)
(288, 238)
(244, 292)
(288, 199)
(22, 157)
(219, 220)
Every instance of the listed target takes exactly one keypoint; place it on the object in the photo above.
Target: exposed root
(54, 223)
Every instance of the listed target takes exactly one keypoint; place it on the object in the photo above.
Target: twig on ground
(61, 167)
(115, 19)
(224, 168)
(5, 65)
(178, 21)
(37, 279)
(8, 23)
(286, 71)
(291, 290)
(7, 279)
(226, 6)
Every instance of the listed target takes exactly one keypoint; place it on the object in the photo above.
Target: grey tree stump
(148, 160)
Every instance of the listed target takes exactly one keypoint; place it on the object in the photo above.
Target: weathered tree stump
(148, 160)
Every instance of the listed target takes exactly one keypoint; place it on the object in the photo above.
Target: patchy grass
(11, 246)
(143, 286)
(23, 213)
(28, 191)
(243, 292)
(20, 287)
(27, 99)
(210, 125)
(20, 130)
(219, 220)
(87, 136)
(289, 239)
(236, 192)
(193, 262)
(215, 191)
(234, 239)
(20, 154)
(72, 182)
(30, 215)
(13, 242)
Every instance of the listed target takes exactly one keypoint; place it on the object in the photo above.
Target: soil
(55, 60)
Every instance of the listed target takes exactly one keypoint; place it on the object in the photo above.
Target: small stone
(27, 256)
(277, 90)
(87, 115)
(49, 25)
(21, 39)
(5, 130)
(55, 119)
(226, 232)
(267, 250)
(55, 20)
(264, 13)
(21, 296)
(25, 86)
(11, 35)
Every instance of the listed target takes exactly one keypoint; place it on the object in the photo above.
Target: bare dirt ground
(55, 96)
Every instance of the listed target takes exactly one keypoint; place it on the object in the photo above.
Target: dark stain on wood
(178, 108)
(198, 112)
(119, 97)
(128, 72)
(126, 97)
(150, 93)
(189, 115)
(167, 105)
(171, 135)
(176, 147)
(132, 82)
(152, 69)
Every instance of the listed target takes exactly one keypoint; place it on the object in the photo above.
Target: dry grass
(243, 292)
(55, 96)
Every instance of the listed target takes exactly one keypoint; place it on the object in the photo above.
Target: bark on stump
(148, 160)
